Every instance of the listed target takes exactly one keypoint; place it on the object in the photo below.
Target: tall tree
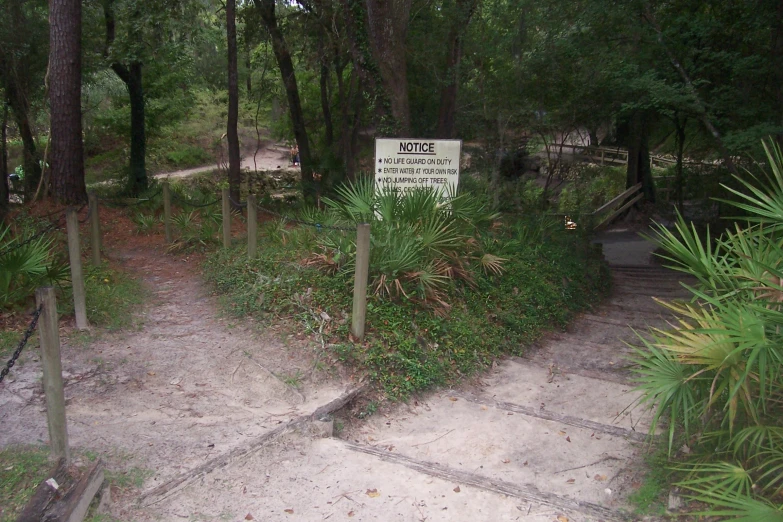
(131, 75)
(232, 136)
(464, 10)
(23, 57)
(4, 195)
(387, 30)
(266, 9)
(65, 83)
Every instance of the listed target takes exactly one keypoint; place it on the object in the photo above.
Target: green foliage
(419, 243)
(590, 187)
(549, 274)
(112, 296)
(145, 223)
(25, 267)
(716, 374)
(21, 470)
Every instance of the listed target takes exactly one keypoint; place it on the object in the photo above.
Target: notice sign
(408, 164)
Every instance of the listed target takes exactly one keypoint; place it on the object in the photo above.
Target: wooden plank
(617, 431)
(617, 199)
(525, 492)
(168, 488)
(619, 211)
(70, 501)
(75, 503)
(44, 495)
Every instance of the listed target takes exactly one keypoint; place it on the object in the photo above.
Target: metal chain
(237, 204)
(27, 334)
(307, 223)
(50, 227)
(190, 203)
(87, 217)
(140, 201)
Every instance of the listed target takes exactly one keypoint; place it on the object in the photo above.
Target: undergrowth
(409, 344)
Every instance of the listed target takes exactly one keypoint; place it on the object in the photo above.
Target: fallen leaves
(351, 513)
(249, 517)
(562, 518)
(372, 493)
(289, 511)
(600, 478)
(453, 399)
(570, 481)
(456, 490)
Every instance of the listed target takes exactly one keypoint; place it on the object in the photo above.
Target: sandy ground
(187, 385)
(214, 414)
(549, 437)
(271, 156)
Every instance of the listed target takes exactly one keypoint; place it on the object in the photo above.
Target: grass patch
(22, 468)
(410, 345)
(112, 296)
(652, 496)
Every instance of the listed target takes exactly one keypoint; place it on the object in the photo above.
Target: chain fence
(176, 197)
(43, 231)
(122, 203)
(22, 343)
(290, 219)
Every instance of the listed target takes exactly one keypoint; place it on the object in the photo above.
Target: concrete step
(297, 477)
(570, 398)
(569, 457)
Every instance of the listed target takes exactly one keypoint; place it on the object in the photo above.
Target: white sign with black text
(408, 164)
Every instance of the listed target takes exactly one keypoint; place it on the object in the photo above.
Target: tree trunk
(248, 65)
(131, 76)
(266, 9)
(325, 105)
(638, 170)
(65, 83)
(137, 177)
(388, 29)
(777, 58)
(4, 163)
(679, 140)
(234, 178)
(448, 94)
(30, 159)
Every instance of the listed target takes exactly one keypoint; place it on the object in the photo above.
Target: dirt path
(187, 386)
(271, 156)
(543, 438)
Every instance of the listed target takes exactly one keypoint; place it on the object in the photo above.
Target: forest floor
(211, 417)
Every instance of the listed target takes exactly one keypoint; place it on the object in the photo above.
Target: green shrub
(185, 155)
(419, 244)
(716, 374)
(25, 265)
(589, 187)
(411, 345)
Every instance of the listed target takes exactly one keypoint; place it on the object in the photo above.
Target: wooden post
(77, 279)
(226, 219)
(49, 333)
(95, 228)
(359, 312)
(167, 211)
(252, 226)
(602, 157)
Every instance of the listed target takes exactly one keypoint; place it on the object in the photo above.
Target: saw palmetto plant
(420, 242)
(715, 374)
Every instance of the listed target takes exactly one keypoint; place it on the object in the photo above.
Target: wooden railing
(619, 156)
(626, 199)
